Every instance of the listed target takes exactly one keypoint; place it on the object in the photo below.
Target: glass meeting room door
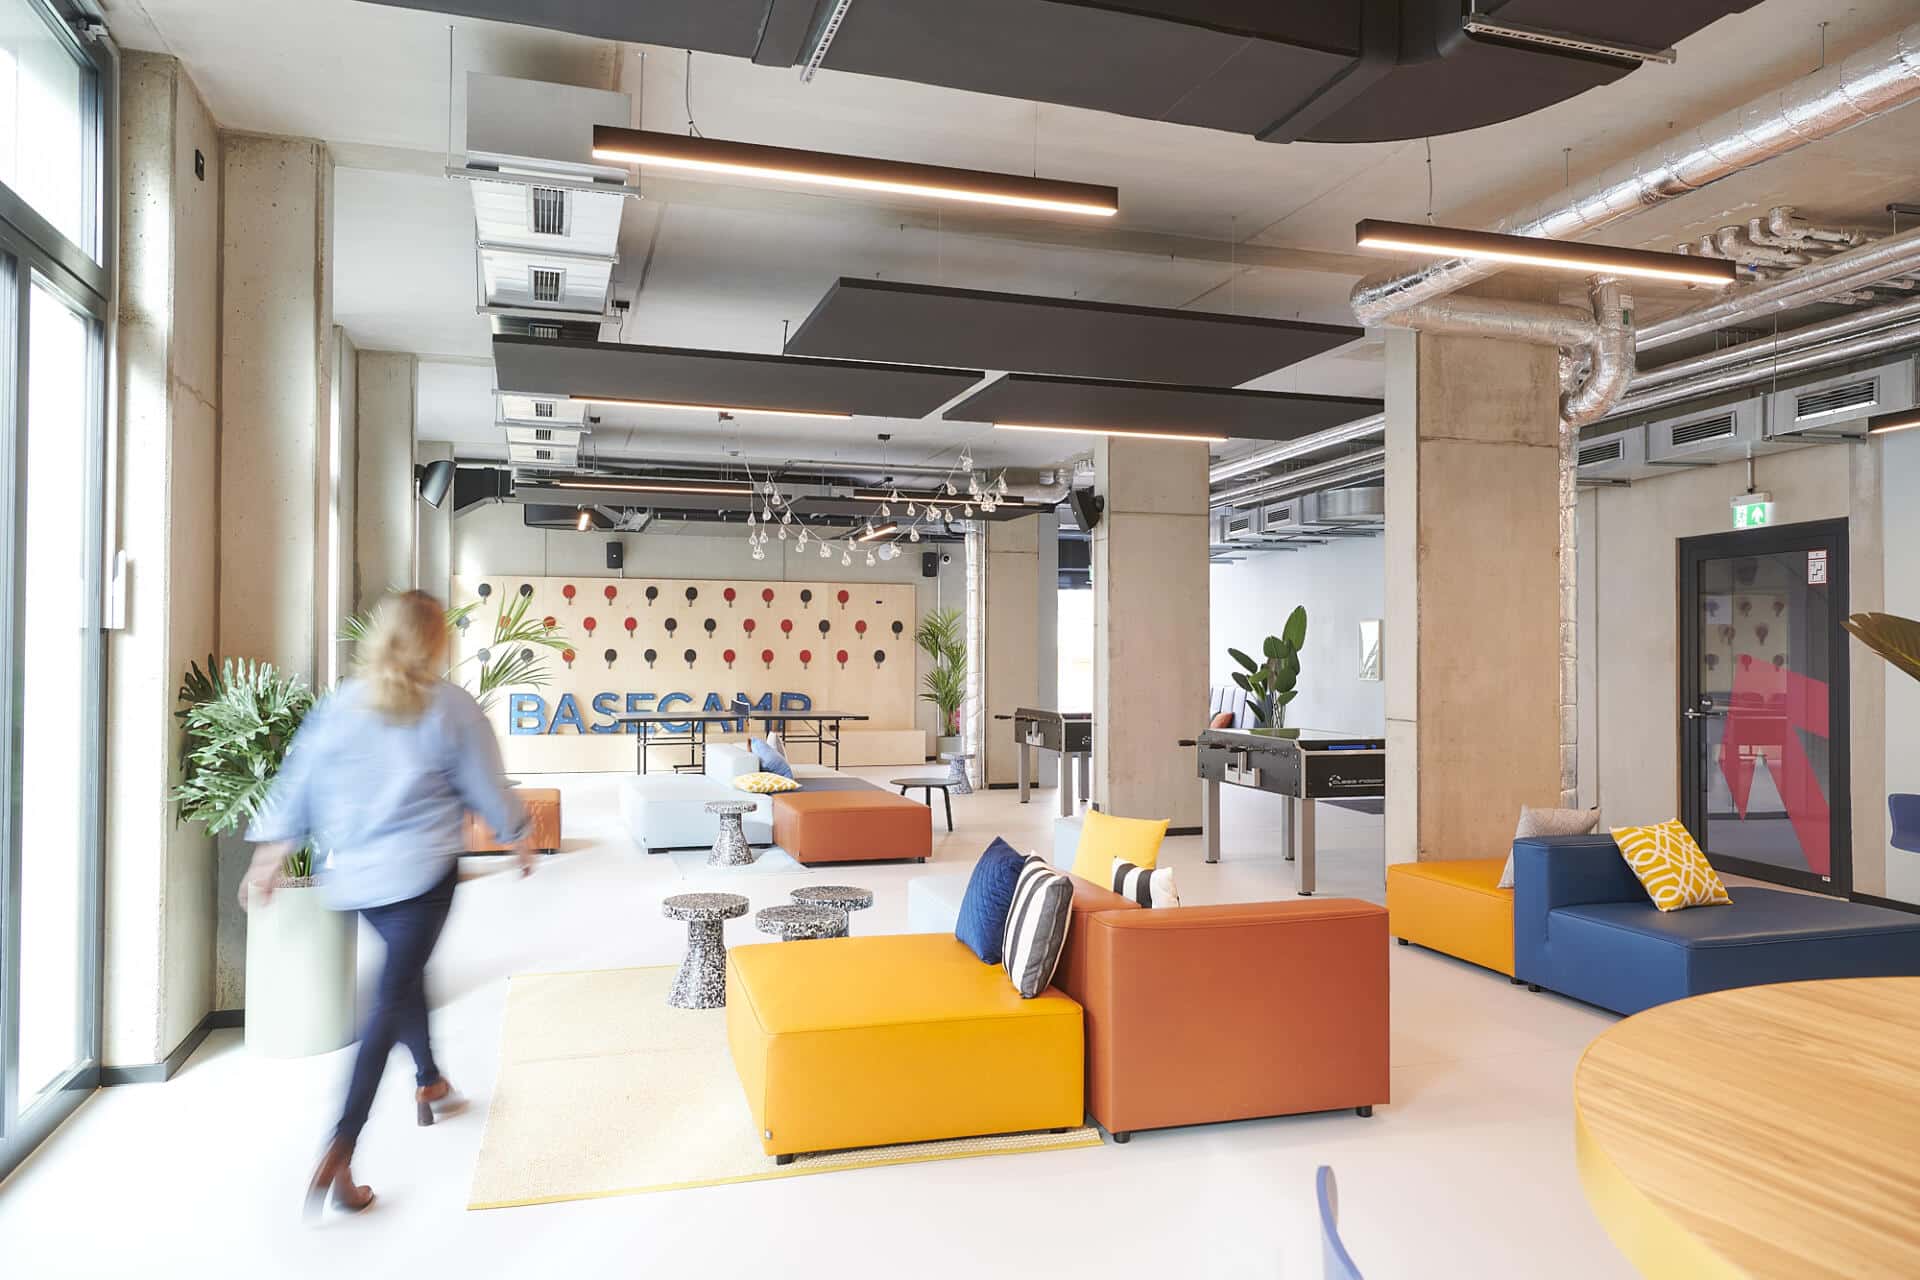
(1763, 702)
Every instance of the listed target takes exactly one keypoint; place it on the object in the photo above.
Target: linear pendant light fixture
(1537, 251)
(860, 173)
(1881, 424)
(706, 408)
(1130, 432)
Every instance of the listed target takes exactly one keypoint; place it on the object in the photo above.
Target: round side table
(927, 787)
(844, 898)
(702, 980)
(795, 922)
(730, 847)
(957, 781)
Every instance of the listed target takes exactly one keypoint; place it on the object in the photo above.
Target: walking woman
(379, 779)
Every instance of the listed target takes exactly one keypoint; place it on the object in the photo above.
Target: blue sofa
(1584, 927)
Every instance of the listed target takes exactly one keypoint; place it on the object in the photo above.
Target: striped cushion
(1037, 927)
(1148, 886)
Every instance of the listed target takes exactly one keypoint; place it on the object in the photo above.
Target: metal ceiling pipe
(1612, 350)
(1841, 273)
(1324, 475)
(1367, 428)
(1548, 323)
(1351, 476)
(1766, 348)
(1827, 353)
(1880, 78)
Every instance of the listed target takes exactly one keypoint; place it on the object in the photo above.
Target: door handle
(1691, 714)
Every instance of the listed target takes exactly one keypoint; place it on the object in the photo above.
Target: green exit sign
(1753, 511)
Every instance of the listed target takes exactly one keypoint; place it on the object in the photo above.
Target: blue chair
(1905, 811)
(1336, 1263)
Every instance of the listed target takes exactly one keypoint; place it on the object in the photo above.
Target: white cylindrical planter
(300, 974)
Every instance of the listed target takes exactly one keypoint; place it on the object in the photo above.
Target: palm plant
(940, 636)
(509, 659)
(237, 721)
(1894, 638)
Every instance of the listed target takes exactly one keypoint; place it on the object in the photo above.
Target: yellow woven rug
(605, 1090)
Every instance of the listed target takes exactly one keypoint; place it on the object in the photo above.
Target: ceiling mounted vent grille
(1845, 398)
(543, 408)
(543, 435)
(1705, 429)
(549, 283)
(537, 330)
(548, 215)
(544, 455)
(1606, 451)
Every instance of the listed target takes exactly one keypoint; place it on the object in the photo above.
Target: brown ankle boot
(333, 1179)
(435, 1100)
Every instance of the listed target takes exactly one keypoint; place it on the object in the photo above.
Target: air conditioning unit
(543, 455)
(1621, 455)
(564, 437)
(1718, 435)
(1836, 405)
(538, 411)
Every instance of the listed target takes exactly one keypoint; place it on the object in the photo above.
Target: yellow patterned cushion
(1671, 867)
(764, 784)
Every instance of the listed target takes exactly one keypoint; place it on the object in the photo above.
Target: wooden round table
(1766, 1131)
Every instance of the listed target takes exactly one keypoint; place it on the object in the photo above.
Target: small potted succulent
(1270, 684)
(237, 720)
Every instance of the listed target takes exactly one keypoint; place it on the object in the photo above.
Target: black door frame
(1774, 540)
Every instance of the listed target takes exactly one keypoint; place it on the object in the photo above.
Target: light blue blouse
(384, 803)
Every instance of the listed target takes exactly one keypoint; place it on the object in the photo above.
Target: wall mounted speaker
(616, 554)
(929, 564)
(1087, 506)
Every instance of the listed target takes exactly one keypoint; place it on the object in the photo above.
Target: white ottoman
(668, 811)
(1066, 840)
(933, 902)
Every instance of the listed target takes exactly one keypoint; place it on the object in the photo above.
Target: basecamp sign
(531, 713)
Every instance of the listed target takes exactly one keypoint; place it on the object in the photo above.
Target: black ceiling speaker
(433, 481)
(616, 554)
(929, 564)
(1087, 506)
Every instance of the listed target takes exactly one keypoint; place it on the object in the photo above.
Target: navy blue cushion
(771, 761)
(983, 911)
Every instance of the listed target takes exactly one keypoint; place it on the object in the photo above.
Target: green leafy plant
(237, 721)
(510, 658)
(1270, 684)
(941, 637)
(1893, 637)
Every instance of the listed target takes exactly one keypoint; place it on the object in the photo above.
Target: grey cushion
(1549, 822)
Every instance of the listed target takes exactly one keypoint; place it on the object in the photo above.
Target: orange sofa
(1201, 1014)
(543, 813)
(867, 825)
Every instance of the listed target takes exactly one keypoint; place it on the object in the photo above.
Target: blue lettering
(568, 712)
(526, 713)
(795, 702)
(605, 704)
(667, 700)
(638, 704)
(741, 702)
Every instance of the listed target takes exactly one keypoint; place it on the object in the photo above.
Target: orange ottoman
(543, 823)
(852, 826)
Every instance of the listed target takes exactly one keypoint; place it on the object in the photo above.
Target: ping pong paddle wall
(634, 642)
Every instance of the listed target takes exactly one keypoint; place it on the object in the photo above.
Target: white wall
(1900, 514)
(494, 539)
(1340, 582)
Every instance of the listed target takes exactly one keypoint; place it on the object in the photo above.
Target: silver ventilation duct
(1880, 78)
(1612, 358)
(1325, 475)
(1849, 348)
(1367, 428)
(1766, 348)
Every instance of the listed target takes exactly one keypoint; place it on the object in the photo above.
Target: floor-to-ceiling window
(55, 98)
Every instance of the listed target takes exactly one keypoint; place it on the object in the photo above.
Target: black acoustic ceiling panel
(682, 375)
(1031, 400)
(732, 27)
(923, 324)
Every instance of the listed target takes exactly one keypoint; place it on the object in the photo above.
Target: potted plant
(238, 718)
(1270, 684)
(940, 637)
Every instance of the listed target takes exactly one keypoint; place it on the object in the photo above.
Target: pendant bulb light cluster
(857, 173)
(1537, 251)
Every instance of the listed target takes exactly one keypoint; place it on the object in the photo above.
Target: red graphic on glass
(1767, 713)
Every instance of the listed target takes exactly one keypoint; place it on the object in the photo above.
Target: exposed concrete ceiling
(1208, 220)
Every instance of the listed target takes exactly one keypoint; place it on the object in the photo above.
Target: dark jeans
(410, 928)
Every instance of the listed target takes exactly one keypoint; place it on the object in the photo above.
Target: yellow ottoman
(1453, 907)
(861, 1042)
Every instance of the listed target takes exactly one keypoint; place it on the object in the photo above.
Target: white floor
(1468, 1173)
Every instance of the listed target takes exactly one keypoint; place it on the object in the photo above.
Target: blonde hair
(403, 653)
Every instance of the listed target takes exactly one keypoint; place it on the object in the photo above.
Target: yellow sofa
(866, 1041)
(1453, 907)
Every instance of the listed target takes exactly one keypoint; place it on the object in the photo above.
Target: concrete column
(433, 551)
(158, 980)
(1473, 656)
(385, 516)
(276, 378)
(1012, 635)
(1150, 626)
(1046, 628)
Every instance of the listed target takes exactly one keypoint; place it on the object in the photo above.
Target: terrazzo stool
(702, 980)
(957, 781)
(795, 922)
(844, 898)
(730, 847)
